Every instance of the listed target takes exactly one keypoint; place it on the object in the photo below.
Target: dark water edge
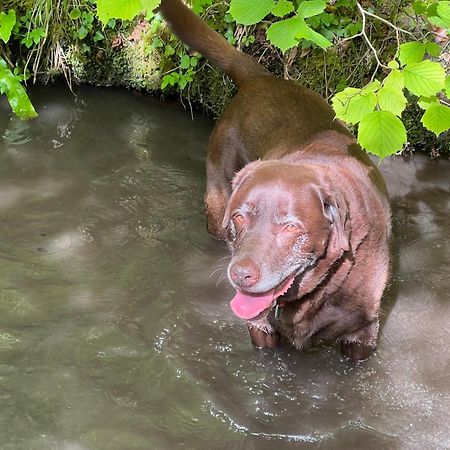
(115, 330)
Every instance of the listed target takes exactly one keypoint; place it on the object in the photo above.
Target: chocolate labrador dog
(304, 211)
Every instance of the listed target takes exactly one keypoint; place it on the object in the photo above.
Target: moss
(129, 66)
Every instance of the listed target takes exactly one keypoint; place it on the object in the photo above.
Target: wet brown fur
(271, 119)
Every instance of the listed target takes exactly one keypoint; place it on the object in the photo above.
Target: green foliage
(123, 9)
(351, 105)
(10, 82)
(436, 118)
(381, 133)
(286, 33)
(424, 78)
(15, 93)
(249, 12)
(7, 22)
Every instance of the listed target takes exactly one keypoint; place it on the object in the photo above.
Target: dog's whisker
(215, 271)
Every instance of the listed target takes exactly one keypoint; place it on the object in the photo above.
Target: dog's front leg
(360, 344)
(262, 334)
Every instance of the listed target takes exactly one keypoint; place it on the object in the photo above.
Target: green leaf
(447, 86)
(433, 49)
(194, 61)
(436, 118)
(185, 62)
(7, 22)
(419, 7)
(149, 5)
(394, 80)
(443, 10)
(15, 93)
(169, 50)
(411, 52)
(310, 8)
(381, 133)
(373, 86)
(82, 32)
(352, 104)
(75, 14)
(424, 78)
(117, 9)
(425, 102)
(283, 34)
(393, 64)
(282, 8)
(308, 33)
(249, 12)
(391, 99)
(98, 37)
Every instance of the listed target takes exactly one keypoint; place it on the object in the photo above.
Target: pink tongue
(248, 306)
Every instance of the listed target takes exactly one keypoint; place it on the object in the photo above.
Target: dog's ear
(236, 183)
(336, 211)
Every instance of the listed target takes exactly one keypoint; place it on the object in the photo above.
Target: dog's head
(280, 220)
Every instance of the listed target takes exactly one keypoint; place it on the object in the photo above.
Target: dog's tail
(200, 37)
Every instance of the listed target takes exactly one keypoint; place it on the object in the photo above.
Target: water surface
(115, 330)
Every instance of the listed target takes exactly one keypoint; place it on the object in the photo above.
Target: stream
(115, 328)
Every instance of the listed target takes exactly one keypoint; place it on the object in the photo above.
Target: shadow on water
(115, 330)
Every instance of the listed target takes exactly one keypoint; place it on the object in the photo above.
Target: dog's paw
(263, 339)
(356, 351)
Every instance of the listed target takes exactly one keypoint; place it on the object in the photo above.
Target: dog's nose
(245, 274)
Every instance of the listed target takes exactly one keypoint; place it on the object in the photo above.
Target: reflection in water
(115, 330)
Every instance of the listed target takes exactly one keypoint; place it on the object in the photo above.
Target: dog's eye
(239, 219)
(291, 228)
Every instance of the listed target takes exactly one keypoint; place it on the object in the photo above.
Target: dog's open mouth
(248, 306)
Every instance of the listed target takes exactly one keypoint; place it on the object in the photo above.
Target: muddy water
(115, 330)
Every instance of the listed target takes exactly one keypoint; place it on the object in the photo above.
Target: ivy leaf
(352, 104)
(248, 12)
(15, 93)
(310, 8)
(391, 99)
(436, 118)
(117, 9)
(424, 78)
(425, 102)
(282, 8)
(308, 33)
(7, 22)
(381, 133)
(283, 34)
(411, 52)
